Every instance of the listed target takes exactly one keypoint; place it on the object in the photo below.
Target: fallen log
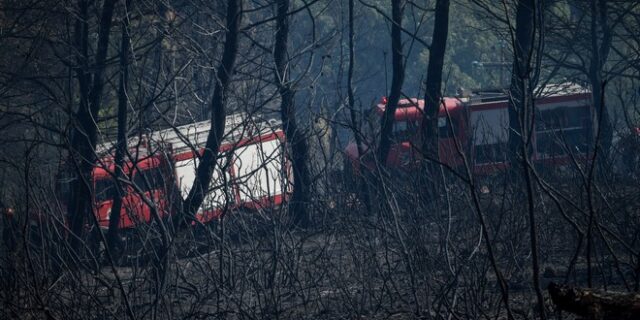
(594, 304)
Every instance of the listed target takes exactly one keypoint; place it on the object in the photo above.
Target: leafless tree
(218, 112)
(299, 147)
(521, 113)
(397, 58)
(83, 136)
(433, 90)
(121, 144)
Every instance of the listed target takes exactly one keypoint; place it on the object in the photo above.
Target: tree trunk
(396, 81)
(521, 111)
(360, 179)
(113, 239)
(599, 54)
(433, 94)
(299, 147)
(520, 75)
(208, 159)
(83, 136)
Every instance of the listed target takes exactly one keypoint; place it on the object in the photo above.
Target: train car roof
(412, 109)
(194, 135)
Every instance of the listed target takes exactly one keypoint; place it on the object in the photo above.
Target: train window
(104, 189)
(446, 128)
(404, 130)
(577, 117)
(562, 130)
(550, 119)
(149, 179)
(549, 144)
(490, 153)
(563, 117)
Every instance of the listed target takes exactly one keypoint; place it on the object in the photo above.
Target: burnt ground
(400, 258)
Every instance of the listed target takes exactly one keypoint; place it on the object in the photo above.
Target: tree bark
(521, 110)
(397, 79)
(299, 147)
(84, 133)
(433, 92)
(519, 91)
(113, 239)
(208, 159)
(359, 179)
(599, 54)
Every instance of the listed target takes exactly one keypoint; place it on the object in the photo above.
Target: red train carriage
(564, 128)
(252, 172)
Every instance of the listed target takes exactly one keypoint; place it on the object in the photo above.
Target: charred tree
(433, 91)
(360, 179)
(84, 132)
(520, 108)
(397, 79)
(208, 159)
(350, 90)
(296, 139)
(113, 238)
(521, 114)
(600, 48)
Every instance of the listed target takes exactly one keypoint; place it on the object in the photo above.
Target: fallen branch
(593, 304)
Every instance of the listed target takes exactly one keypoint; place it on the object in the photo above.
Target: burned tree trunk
(208, 159)
(521, 110)
(396, 81)
(433, 91)
(299, 147)
(84, 134)
(520, 91)
(360, 179)
(593, 304)
(121, 143)
(599, 52)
